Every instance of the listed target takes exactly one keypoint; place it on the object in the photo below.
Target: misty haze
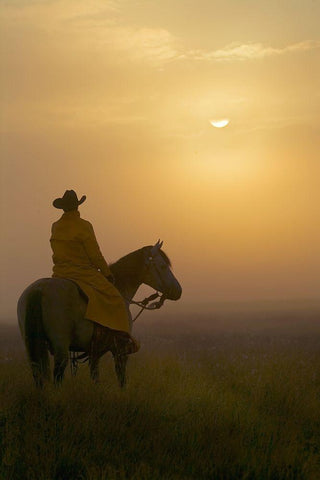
(196, 123)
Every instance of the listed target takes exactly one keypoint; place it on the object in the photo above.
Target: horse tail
(34, 337)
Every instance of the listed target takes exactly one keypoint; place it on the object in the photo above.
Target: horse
(51, 313)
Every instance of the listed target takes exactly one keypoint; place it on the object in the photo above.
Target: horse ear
(159, 244)
(155, 249)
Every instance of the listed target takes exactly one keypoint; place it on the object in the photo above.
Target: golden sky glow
(115, 98)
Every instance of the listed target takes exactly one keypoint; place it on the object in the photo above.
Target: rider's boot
(124, 343)
(105, 339)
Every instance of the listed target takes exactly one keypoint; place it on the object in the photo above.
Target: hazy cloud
(102, 25)
(249, 51)
(154, 46)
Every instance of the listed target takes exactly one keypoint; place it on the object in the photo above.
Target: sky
(114, 98)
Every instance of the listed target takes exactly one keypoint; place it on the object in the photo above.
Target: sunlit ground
(222, 396)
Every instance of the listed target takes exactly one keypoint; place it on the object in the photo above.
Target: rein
(144, 303)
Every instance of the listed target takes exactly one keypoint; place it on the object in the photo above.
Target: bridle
(144, 304)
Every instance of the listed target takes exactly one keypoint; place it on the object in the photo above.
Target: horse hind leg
(94, 368)
(41, 368)
(60, 364)
(120, 364)
(30, 322)
(39, 359)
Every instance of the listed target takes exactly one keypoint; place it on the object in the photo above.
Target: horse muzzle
(174, 293)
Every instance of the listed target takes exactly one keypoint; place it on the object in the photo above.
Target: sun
(220, 123)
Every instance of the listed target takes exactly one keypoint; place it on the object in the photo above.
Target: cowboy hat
(69, 201)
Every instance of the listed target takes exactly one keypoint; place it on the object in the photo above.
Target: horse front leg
(94, 368)
(120, 364)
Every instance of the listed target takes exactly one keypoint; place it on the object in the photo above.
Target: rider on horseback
(77, 256)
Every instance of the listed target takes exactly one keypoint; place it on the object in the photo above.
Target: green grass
(237, 402)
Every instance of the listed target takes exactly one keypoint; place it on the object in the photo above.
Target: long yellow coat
(77, 256)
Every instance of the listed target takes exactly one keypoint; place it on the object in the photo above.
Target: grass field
(222, 396)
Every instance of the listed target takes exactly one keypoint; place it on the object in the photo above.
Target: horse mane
(131, 266)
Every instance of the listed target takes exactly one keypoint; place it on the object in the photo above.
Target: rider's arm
(94, 253)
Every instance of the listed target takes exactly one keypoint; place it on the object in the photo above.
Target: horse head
(158, 274)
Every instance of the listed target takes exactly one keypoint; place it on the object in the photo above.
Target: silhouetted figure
(77, 256)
